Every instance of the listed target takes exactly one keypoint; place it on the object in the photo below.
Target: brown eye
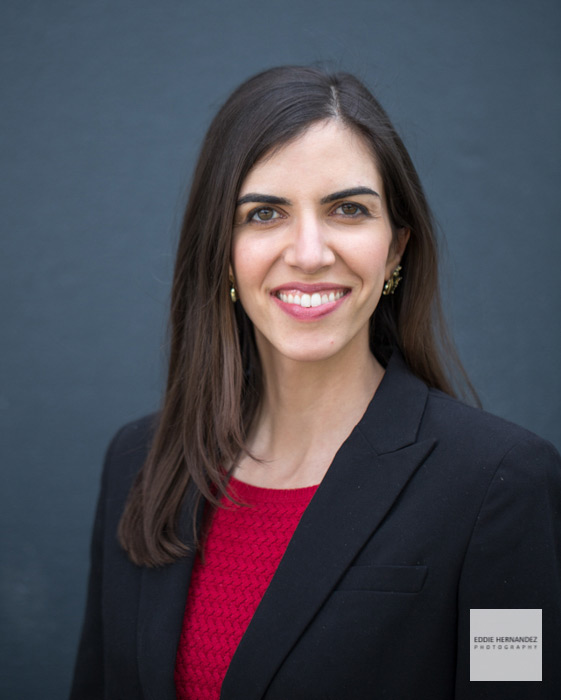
(263, 214)
(351, 210)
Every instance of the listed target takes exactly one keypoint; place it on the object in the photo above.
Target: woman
(313, 514)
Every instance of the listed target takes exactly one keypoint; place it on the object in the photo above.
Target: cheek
(238, 261)
(250, 263)
(370, 261)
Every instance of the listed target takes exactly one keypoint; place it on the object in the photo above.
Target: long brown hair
(214, 380)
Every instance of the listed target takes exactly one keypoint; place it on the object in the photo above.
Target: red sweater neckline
(248, 493)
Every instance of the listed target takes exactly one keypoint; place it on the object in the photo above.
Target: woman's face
(313, 245)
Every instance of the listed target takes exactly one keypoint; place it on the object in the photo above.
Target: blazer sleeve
(514, 561)
(88, 680)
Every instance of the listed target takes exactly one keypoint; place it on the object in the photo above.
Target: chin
(308, 353)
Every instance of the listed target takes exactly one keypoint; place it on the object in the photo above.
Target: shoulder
(503, 480)
(126, 455)
(483, 439)
(448, 416)
(133, 438)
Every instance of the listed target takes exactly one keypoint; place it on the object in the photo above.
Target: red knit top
(244, 546)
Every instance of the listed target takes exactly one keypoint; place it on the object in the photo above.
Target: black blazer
(429, 508)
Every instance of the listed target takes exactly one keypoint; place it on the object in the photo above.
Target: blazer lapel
(367, 475)
(163, 596)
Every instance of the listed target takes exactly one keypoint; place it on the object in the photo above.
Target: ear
(230, 272)
(397, 249)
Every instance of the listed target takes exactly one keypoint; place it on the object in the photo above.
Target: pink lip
(325, 287)
(310, 313)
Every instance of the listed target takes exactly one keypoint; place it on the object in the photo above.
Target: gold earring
(394, 280)
(233, 292)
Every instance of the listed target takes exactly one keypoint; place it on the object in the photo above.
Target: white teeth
(310, 300)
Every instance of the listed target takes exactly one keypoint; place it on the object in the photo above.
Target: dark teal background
(103, 108)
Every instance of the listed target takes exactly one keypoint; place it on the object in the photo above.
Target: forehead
(327, 156)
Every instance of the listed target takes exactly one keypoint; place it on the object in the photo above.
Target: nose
(309, 248)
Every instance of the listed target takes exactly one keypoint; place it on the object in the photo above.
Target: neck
(307, 411)
(307, 389)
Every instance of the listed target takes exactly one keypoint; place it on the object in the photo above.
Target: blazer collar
(367, 475)
(393, 418)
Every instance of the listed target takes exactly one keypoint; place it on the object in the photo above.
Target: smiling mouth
(311, 300)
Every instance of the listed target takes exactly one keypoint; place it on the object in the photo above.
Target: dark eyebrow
(271, 199)
(261, 199)
(351, 192)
